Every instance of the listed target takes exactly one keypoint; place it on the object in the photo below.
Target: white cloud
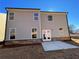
(50, 10)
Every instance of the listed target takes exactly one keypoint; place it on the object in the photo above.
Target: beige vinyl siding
(59, 21)
(24, 23)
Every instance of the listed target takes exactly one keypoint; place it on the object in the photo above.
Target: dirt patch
(37, 52)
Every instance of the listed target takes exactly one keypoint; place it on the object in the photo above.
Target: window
(36, 16)
(34, 30)
(49, 18)
(60, 28)
(34, 33)
(11, 16)
(12, 33)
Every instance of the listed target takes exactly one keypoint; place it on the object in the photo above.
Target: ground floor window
(34, 33)
(12, 33)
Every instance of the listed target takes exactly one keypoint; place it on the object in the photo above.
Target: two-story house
(32, 23)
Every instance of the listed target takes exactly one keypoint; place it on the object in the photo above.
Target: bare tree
(77, 31)
(72, 28)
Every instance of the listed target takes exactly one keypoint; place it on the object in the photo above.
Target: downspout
(67, 24)
(40, 25)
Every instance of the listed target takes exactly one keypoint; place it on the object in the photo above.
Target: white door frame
(47, 34)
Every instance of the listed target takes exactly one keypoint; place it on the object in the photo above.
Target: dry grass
(75, 40)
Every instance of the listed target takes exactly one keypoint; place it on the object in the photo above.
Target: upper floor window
(11, 16)
(49, 18)
(36, 16)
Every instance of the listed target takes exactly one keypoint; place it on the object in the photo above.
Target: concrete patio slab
(57, 45)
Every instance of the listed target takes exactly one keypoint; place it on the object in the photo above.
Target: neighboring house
(31, 23)
(2, 26)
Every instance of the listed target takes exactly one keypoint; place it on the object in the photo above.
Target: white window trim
(35, 16)
(36, 34)
(9, 16)
(9, 32)
(52, 17)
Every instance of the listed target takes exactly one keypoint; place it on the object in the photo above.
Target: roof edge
(23, 8)
(53, 12)
(35, 9)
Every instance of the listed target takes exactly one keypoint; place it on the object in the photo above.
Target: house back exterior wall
(58, 21)
(24, 22)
